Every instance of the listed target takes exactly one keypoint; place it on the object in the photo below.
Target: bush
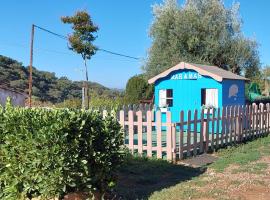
(75, 103)
(49, 153)
(138, 89)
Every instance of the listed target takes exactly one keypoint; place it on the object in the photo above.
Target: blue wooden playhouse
(189, 86)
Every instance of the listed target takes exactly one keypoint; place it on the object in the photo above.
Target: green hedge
(49, 153)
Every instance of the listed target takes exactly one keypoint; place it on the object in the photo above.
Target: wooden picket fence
(195, 133)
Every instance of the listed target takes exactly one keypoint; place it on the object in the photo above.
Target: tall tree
(200, 31)
(81, 40)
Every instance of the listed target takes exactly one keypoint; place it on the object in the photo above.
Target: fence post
(254, 123)
(149, 133)
(238, 133)
(122, 122)
(244, 115)
(258, 121)
(231, 122)
(188, 133)
(268, 117)
(207, 131)
(122, 118)
(173, 142)
(264, 119)
(181, 138)
(195, 132)
(202, 131)
(227, 125)
(223, 124)
(140, 138)
(261, 132)
(213, 129)
(131, 130)
(159, 134)
(249, 124)
(217, 132)
(246, 124)
(169, 135)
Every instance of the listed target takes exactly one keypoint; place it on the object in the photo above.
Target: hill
(46, 86)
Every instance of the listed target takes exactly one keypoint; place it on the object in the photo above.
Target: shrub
(49, 153)
(138, 89)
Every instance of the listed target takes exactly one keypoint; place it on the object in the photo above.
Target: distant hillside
(46, 86)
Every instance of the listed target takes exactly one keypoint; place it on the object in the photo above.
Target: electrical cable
(99, 49)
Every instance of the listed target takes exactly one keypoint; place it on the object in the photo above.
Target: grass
(242, 154)
(252, 168)
(142, 178)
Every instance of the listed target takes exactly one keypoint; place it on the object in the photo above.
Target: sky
(123, 28)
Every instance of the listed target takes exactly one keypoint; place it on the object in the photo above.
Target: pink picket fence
(195, 132)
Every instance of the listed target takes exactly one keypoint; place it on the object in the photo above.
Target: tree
(81, 40)
(200, 31)
(266, 79)
(138, 89)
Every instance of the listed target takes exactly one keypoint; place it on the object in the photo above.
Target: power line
(99, 49)
(117, 54)
(56, 34)
(36, 49)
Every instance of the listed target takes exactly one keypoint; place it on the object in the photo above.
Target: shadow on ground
(138, 178)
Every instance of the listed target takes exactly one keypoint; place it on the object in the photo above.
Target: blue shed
(189, 86)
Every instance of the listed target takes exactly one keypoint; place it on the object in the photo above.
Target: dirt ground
(238, 182)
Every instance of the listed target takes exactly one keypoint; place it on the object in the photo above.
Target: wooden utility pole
(31, 67)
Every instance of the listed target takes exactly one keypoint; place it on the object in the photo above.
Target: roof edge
(166, 73)
(12, 90)
(184, 65)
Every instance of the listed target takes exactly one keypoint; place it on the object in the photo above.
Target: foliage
(51, 152)
(106, 103)
(96, 102)
(81, 41)
(83, 35)
(70, 103)
(201, 31)
(138, 89)
(46, 86)
(266, 78)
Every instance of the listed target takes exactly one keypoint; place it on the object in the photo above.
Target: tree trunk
(86, 89)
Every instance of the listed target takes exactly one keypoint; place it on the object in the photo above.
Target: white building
(17, 98)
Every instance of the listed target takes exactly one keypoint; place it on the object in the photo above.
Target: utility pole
(31, 67)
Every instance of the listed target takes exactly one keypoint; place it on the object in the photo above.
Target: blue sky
(123, 24)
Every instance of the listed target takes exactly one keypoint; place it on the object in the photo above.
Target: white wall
(16, 98)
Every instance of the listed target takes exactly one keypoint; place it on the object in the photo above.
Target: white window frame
(211, 97)
(163, 98)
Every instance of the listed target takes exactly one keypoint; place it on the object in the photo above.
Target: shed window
(209, 97)
(166, 98)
